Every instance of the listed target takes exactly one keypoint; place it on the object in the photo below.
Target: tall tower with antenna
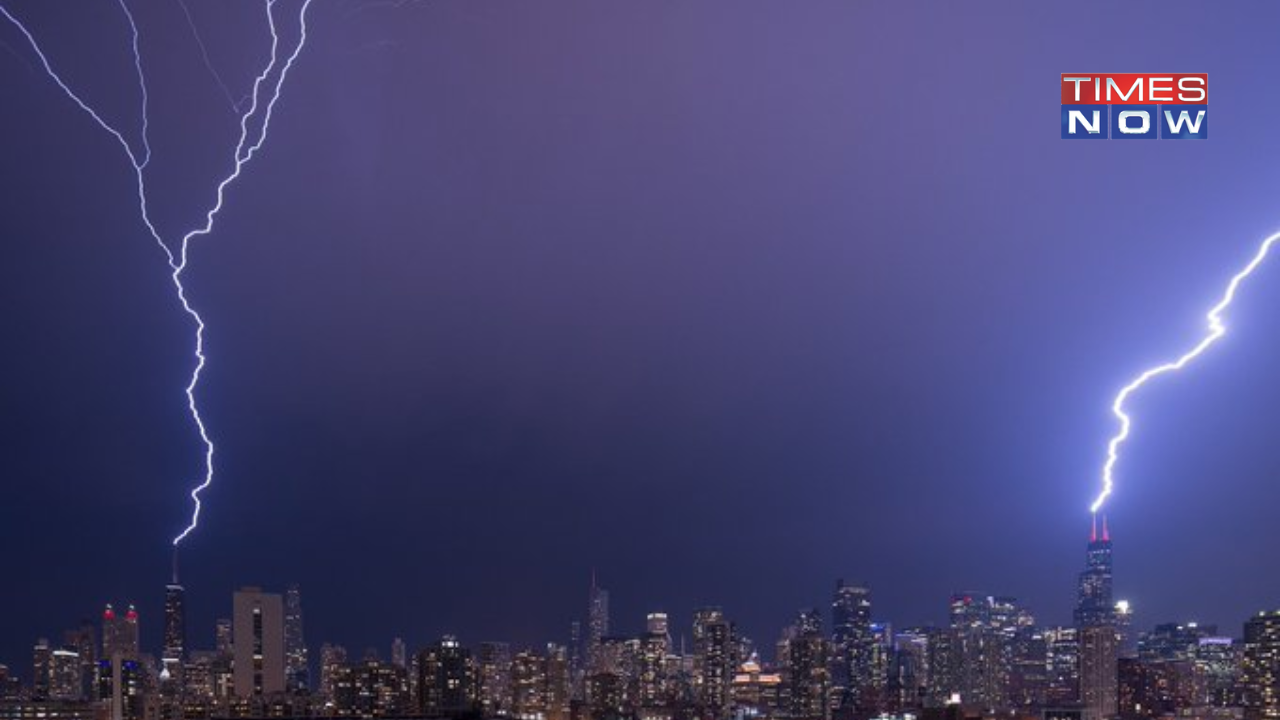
(1096, 622)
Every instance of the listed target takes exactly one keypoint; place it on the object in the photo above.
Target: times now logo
(1135, 106)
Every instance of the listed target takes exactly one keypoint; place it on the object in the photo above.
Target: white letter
(1176, 126)
(1126, 114)
(1201, 91)
(1111, 83)
(1155, 89)
(1077, 81)
(1076, 115)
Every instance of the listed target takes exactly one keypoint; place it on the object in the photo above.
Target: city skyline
(1096, 602)
(993, 657)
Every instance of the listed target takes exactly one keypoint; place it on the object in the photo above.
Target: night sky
(725, 299)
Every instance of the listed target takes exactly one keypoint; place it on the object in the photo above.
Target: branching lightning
(1217, 328)
(248, 144)
(208, 62)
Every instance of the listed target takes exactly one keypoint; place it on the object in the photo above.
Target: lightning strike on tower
(1217, 328)
(266, 91)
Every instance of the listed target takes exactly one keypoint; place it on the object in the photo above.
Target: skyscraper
(529, 686)
(657, 623)
(1099, 639)
(258, 640)
(651, 661)
(84, 641)
(494, 678)
(985, 631)
(222, 633)
(1062, 665)
(1260, 676)
(371, 689)
(576, 671)
(1218, 663)
(41, 669)
(851, 643)
(1006, 618)
(297, 669)
(119, 633)
(332, 658)
(1029, 684)
(1173, 641)
(1099, 657)
(399, 654)
(120, 675)
(1094, 604)
(121, 683)
(558, 691)
(713, 660)
(807, 675)
(597, 624)
(445, 682)
(175, 627)
(1123, 614)
(65, 675)
(944, 667)
(909, 674)
(1145, 688)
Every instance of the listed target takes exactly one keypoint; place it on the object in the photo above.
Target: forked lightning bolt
(1217, 328)
(247, 145)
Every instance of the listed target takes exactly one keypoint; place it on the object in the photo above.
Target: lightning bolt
(208, 62)
(250, 141)
(1216, 327)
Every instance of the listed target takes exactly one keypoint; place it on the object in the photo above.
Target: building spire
(1093, 534)
(1106, 534)
(175, 564)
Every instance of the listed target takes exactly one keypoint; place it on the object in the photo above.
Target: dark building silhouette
(852, 647)
(597, 624)
(445, 680)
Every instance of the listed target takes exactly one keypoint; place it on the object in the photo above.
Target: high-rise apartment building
(1062, 666)
(529, 686)
(370, 689)
(714, 660)
(1260, 671)
(807, 673)
(494, 681)
(258, 642)
(332, 658)
(445, 679)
